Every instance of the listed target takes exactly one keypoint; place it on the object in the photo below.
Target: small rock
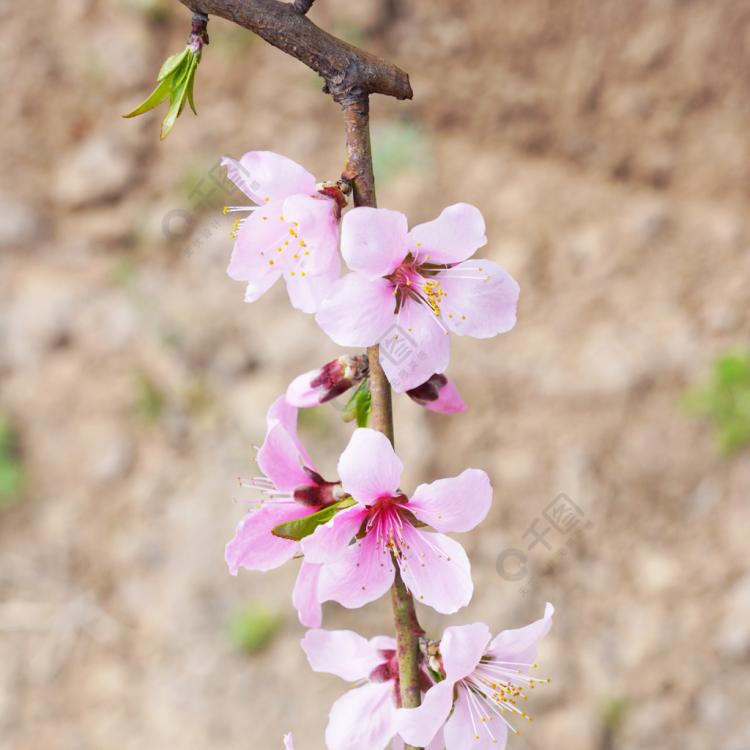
(98, 170)
(19, 223)
(734, 631)
(115, 459)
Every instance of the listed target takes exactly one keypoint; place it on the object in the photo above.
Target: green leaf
(191, 83)
(158, 95)
(359, 405)
(254, 627)
(177, 96)
(299, 528)
(171, 63)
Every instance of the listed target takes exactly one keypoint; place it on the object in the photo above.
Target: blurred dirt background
(607, 144)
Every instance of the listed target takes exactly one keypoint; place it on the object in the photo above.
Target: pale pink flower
(364, 717)
(334, 378)
(293, 230)
(288, 742)
(408, 289)
(357, 548)
(290, 488)
(485, 686)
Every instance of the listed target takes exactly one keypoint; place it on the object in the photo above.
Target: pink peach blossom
(290, 488)
(484, 681)
(364, 717)
(293, 230)
(358, 547)
(409, 289)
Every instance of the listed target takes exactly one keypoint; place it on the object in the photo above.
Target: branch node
(302, 6)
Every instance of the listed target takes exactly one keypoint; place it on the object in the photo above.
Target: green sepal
(299, 528)
(359, 405)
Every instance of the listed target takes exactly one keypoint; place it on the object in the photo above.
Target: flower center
(494, 690)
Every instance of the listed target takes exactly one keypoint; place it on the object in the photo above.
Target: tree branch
(347, 70)
(302, 6)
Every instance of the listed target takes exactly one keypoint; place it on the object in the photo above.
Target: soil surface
(607, 144)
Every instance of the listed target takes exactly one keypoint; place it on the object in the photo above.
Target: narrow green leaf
(191, 83)
(177, 96)
(171, 63)
(299, 528)
(158, 95)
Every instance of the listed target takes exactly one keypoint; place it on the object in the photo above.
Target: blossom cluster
(405, 290)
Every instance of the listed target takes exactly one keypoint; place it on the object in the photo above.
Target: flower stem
(358, 172)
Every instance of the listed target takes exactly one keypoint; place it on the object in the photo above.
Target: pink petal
(330, 539)
(265, 176)
(456, 504)
(280, 460)
(259, 235)
(520, 644)
(358, 310)
(415, 348)
(462, 647)
(363, 718)
(482, 305)
(436, 570)
(449, 400)
(288, 742)
(360, 574)
(305, 596)
(369, 467)
(373, 240)
(341, 652)
(254, 547)
(466, 731)
(314, 222)
(286, 413)
(307, 292)
(454, 236)
(419, 726)
(301, 394)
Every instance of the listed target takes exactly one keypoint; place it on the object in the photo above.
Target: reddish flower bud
(332, 379)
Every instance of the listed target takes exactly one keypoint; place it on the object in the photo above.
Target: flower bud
(438, 394)
(332, 379)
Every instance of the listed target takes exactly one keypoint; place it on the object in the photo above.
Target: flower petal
(358, 311)
(415, 348)
(280, 459)
(465, 729)
(266, 176)
(509, 645)
(254, 547)
(363, 718)
(449, 400)
(481, 299)
(456, 504)
(332, 538)
(454, 236)
(283, 411)
(341, 652)
(258, 238)
(436, 570)
(302, 394)
(369, 467)
(419, 726)
(307, 292)
(288, 742)
(314, 230)
(305, 596)
(462, 646)
(373, 240)
(360, 574)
